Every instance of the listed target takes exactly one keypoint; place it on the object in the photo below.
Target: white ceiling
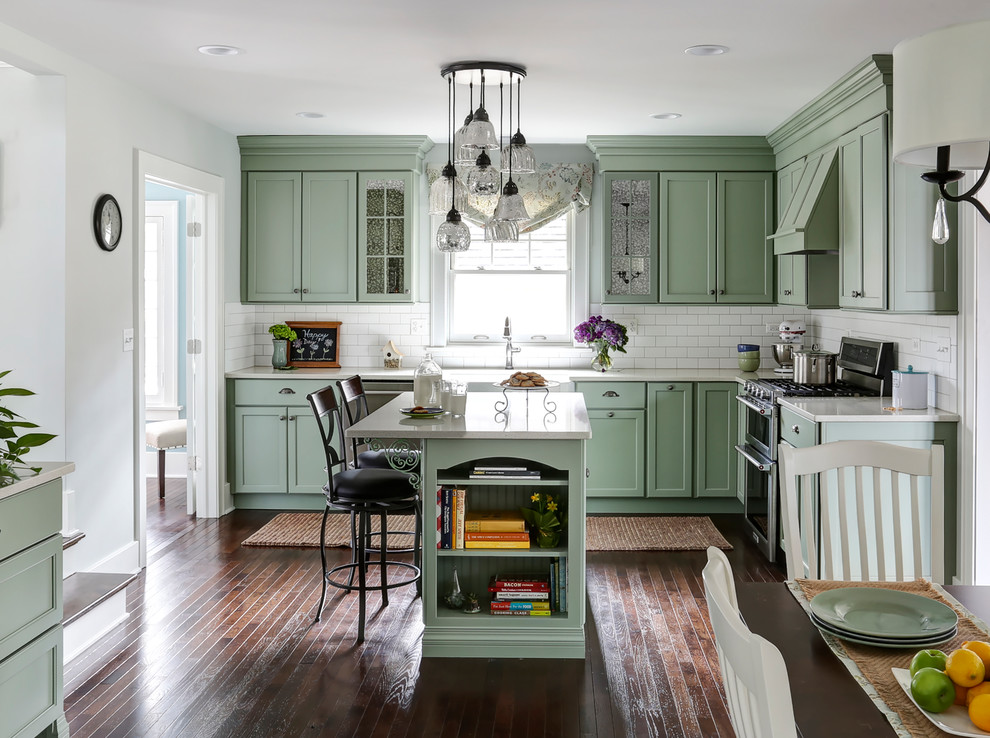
(595, 68)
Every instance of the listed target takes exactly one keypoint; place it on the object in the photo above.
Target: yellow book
(496, 544)
(494, 521)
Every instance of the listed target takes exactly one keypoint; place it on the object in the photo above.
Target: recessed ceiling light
(706, 50)
(219, 50)
(665, 116)
(308, 114)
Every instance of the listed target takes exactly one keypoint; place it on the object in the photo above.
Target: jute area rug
(604, 533)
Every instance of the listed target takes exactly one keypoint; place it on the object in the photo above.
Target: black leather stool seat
(373, 485)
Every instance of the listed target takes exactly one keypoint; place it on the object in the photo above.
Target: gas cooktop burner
(790, 388)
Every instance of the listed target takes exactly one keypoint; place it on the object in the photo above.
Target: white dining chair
(863, 511)
(753, 671)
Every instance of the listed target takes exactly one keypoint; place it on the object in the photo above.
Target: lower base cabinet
(670, 440)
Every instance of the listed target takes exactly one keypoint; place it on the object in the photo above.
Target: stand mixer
(792, 339)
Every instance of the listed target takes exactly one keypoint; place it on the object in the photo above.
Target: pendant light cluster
(469, 168)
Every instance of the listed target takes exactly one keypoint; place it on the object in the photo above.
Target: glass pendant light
(517, 156)
(940, 228)
(510, 205)
(465, 156)
(482, 179)
(501, 231)
(480, 133)
(452, 235)
(441, 199)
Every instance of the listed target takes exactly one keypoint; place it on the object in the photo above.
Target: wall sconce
(942, 111)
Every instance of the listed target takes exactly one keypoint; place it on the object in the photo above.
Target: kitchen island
(525, 434)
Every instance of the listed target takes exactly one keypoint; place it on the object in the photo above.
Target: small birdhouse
(392, 356)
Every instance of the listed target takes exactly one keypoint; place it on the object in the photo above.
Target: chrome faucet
(509, 348)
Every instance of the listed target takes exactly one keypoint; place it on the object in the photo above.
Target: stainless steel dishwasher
(381, 391)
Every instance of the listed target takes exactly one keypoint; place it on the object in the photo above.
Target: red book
(526, 588)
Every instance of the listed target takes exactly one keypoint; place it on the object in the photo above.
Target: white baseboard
(124, 560)
(85, 630)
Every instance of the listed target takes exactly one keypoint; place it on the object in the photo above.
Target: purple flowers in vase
(602, 335)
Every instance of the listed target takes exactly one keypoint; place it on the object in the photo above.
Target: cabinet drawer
(613, 395)
(29, 517)
(31, 686)
(31, 590)
(275, 391)
(799, 432)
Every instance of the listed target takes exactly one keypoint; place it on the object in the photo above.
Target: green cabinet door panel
(687, 237)
(670, 439)
(260, 438)
(306, 459)
(744, 256)
(615, 453)
(629, 237)
(273, 236)
(31, 590)
(716, 435)
(329, 237)
(386, 209)
(31, 688)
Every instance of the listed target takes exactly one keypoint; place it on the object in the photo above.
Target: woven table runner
(871, 666)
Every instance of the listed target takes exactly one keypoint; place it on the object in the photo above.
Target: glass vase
(547, 538)
(602, 361)
(280, 353)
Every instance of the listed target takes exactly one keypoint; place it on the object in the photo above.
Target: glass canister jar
(427, 383)
(749, 356)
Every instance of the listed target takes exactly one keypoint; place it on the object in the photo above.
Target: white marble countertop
(525, 419)
(49, 470)
(496, 375)
(862, 409)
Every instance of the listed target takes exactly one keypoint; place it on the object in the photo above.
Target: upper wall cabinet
(329, 218)
(629, 239)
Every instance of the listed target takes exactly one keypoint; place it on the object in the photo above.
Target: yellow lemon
(973, 692)
(979, 711)
(981, 649)
(965, 667)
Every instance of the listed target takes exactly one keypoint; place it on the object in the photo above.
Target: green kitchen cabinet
(716, 420)
(713, 237)
(276, 457)
(616, 451)
(863, 202)
(385, 226)
(629, 237)
(300, 236)
(670, 439)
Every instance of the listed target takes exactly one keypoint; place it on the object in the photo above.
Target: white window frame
(578, 235)
(164, 405)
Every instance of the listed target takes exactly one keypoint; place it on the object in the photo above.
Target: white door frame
(208, 381)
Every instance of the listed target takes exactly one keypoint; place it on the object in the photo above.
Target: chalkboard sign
(317, 344)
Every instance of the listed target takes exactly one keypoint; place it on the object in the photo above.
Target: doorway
(183, 347)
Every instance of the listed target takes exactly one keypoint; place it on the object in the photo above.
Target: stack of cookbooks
(495, 529)
(504, 472)
(519, 594)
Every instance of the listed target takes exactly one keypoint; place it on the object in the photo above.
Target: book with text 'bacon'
(518, 580)
(492, 521)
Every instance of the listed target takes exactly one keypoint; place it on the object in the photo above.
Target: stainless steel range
(864, 370)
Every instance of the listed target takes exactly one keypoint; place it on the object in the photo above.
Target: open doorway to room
(179, 362)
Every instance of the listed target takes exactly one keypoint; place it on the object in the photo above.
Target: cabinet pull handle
(587, 472)
(611, 414)
(281, 417)
(796, 429)
(711, 292)
(610, 393)
(670, 386)
(857, 293)
(287, 391)
(787, 292)
(295, 290)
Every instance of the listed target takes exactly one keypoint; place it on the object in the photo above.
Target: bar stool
(355, 404)
(162, 435)
(362, 493)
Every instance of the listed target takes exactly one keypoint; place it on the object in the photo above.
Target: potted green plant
(281, 336)
(546, 518)
(13, 442)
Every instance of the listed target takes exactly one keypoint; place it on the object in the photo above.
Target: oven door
(759, 425)
(760, 499)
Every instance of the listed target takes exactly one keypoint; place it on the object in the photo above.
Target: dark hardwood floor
(221, 642)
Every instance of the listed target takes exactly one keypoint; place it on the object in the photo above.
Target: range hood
(810, 221)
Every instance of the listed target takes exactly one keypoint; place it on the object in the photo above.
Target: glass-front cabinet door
(630, 237)
(385, 215)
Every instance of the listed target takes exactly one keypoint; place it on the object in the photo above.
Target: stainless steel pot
(814, 367)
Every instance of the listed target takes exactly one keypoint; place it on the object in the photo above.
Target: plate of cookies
(527, 381)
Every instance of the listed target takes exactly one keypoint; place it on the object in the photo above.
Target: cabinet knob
(295, 290)
(721, 292)
(857, 293)
(670, 386)
(796, 429)
(611, 414)
(287, 391)
(281, 417)
(711, 292)
(587, 472)
(292, 417)
(608, 292)
(610, 393)
(405, 292)
(305, 290)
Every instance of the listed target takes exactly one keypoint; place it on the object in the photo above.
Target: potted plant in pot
(282, 335)
(12, 445)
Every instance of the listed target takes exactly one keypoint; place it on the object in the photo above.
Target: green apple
(929, 657)
(932, 689)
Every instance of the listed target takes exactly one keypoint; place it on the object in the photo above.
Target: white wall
(32, 249)
(105, 123)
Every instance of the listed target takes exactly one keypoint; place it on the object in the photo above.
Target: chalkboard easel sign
(317, 344)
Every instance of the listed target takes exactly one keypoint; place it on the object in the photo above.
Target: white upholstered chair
(163, 435)
(753, 671)
(863, 510)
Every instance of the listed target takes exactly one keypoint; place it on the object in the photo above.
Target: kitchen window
(535, 282)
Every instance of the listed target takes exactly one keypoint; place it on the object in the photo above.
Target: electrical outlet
(417, 327)
(632, 325)
(943, 347)
(128, 339)
(916, 345)
(773, 327)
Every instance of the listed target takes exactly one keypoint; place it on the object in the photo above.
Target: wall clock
(107, 223)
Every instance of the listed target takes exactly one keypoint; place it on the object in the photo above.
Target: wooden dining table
(828, 702)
